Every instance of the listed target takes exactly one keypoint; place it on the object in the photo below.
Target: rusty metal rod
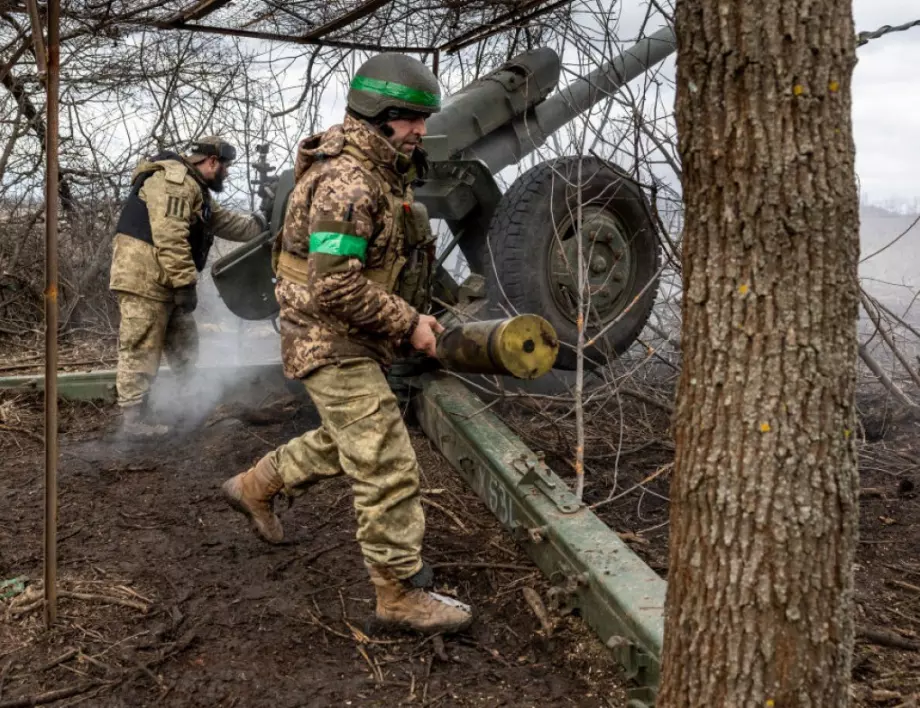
(363, 10)
(51, 309)
(275, 37)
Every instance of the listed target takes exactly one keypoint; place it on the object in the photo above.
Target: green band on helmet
(398, 91)
(338, 244)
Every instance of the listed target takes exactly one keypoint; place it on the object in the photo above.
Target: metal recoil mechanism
(524, 347)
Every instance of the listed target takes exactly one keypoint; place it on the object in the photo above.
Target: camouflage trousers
(149, 328)
(363, 436)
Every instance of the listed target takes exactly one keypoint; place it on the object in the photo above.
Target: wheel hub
(610, 265)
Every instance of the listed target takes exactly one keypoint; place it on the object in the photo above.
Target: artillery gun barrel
(494, 100)
(511, 143)
(524, 346)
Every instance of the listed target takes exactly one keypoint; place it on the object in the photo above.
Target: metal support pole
(51, 310)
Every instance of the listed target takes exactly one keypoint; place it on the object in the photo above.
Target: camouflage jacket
(350, 229)
(174, 199)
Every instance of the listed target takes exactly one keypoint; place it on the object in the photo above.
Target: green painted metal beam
(77, 386)
(592, 569)
(100, 385)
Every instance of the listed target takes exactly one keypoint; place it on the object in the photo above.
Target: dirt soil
(167, 599)
(628, 488)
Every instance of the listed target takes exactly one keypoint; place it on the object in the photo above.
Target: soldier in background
(165, 231)
(354, 267)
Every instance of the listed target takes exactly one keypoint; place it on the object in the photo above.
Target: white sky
(886, 103)
(886, 98)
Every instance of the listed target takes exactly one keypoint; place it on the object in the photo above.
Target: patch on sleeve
(348, 228)
(177, 207)
(175, 172)
(326, 263)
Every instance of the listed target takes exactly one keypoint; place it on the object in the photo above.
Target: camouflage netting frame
(373, 25)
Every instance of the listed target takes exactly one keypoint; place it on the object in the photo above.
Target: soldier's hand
(187, 298)
(260, 220)
(423, 337)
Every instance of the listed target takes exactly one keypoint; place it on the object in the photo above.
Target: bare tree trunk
(764, 491)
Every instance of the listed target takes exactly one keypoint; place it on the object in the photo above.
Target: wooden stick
(494, 566)
(905, 586)
(877, 321)
(91, 597)
(22, 431)
(49, 696)
(887, 639)
(449, 513)
(890, 385)
(539, 609)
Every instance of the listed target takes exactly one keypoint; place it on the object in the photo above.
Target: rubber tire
(521, 232)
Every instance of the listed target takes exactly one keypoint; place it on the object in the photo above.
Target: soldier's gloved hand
(187, 298)
(423, 336)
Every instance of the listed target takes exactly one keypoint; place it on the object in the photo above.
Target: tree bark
(764, 491)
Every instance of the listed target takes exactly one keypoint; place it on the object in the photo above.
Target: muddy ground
(628, 488)
(169, 600)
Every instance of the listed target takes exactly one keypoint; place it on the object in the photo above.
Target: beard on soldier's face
(408, 145)
(216, 183)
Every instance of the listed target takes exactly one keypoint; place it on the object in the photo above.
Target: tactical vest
(135, 219)
(410, 269)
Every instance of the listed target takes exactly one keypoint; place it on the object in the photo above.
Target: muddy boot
(402, 605)
(251, 493)
(134, 424)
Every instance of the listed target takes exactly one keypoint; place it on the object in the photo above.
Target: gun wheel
(535, 235)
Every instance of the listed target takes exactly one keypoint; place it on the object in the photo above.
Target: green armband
(335, 244)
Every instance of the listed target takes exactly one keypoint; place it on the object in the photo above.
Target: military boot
(134, 423)
(401, 605)
(251, 493)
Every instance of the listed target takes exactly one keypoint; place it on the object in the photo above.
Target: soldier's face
(214, 173)
(407, 133)
(218, 181)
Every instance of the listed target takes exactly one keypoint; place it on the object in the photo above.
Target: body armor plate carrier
(135, 219)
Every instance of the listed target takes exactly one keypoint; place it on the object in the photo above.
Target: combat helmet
(211, 146)
(394, 81)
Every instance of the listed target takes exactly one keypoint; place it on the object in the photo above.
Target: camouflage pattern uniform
(341, 319)
(354, 267)
(147, 275)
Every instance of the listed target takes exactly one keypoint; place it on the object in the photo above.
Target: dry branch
(876, 320)
(106, 599)
(50, 696)
(884, 379)
(887, 639)
(539, 609)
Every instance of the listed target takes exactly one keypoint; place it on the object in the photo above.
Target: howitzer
(525, 242)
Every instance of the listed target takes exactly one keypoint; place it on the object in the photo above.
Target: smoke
(239, 362)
